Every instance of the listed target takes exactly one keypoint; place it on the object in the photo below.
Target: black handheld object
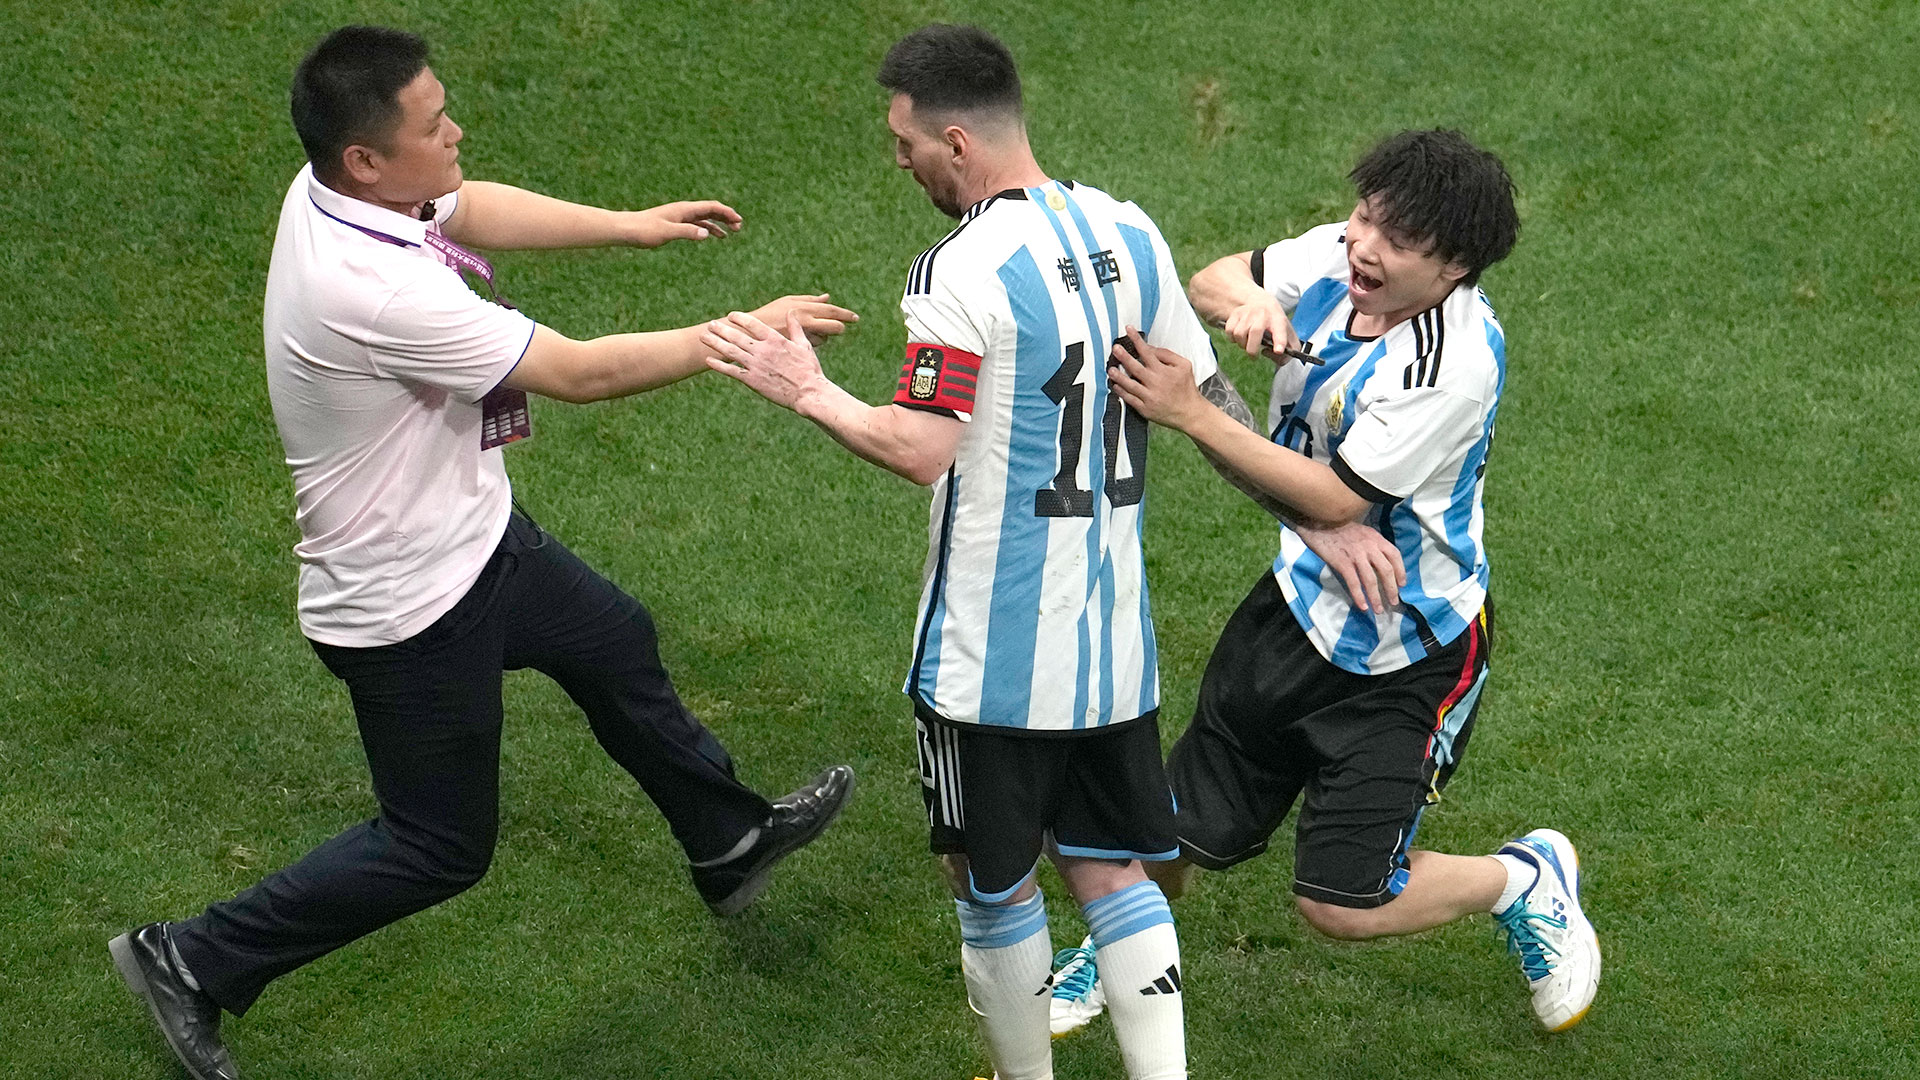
(1266, 344)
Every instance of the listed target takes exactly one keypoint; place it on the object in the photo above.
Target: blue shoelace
(1078, 982)
(1523, 938)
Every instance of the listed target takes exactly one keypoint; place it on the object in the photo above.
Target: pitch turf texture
(1701, 510)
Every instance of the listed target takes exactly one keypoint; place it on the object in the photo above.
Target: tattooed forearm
(1220, 391)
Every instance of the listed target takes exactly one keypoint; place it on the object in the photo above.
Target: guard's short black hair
(347, 91)
(946, 67)
(1435, 186)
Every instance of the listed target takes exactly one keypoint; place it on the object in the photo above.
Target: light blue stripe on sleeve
(1013, 612)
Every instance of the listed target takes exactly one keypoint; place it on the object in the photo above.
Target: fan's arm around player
(1365, 561)
(1151, 386)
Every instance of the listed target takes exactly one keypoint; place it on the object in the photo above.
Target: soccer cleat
(188, 1018)
(1078, 996)
(1558, 950)
(798, 817)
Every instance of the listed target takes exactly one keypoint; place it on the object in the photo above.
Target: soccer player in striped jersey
(1034, 680)
(1343, 678)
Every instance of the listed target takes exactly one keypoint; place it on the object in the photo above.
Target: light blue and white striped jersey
(1033, 607)
(1406, 420)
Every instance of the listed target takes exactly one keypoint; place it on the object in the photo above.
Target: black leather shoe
(187, 1017)
(797, 818)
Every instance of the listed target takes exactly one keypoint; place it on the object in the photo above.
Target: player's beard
(944, 197)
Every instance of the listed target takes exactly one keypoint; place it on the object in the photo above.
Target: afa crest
(1336, 408)
(926, 375)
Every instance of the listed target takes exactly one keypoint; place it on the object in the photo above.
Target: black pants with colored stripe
(429, 712)
(1276, 721)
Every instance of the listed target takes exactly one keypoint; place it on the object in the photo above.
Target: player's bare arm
(1369, 565)
(784, 369)
(1226, 296)
(618, 365)
(1158, 384)
(504, 217)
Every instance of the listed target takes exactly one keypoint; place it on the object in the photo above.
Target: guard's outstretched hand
(693, 220)
(819, 318)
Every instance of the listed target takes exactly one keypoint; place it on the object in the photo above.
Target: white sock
(1007, 958)
(1521, 875)
(1139, 958)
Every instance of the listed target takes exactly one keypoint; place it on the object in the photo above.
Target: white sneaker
(1077, 994)
(1558, 950)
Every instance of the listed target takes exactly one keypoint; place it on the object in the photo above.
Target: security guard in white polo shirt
(394, 386)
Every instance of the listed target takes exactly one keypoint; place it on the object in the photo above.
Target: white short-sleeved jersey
(1406, 420)
(1033, 609)
(378, 355)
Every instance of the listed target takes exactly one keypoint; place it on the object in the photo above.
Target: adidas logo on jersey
(1165, 984)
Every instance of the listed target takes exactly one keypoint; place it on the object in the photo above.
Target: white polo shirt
(378, 354)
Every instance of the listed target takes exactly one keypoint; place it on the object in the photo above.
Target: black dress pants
(429, 712)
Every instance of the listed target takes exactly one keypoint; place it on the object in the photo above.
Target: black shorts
(995, 796)
(1371, 752)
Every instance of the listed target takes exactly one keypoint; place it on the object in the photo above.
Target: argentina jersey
(1033, 607)
(1406, 419)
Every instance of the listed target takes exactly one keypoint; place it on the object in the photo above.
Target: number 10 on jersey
(1062, 498)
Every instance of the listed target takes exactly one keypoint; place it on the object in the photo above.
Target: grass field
(1702, 511)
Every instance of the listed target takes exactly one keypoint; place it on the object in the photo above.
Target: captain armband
(938, 378)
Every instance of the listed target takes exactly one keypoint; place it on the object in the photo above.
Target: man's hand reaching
(693, 220)
(819, 318)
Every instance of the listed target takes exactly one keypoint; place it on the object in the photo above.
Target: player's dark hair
(347, 91)
(945, 67)
(1435, 186)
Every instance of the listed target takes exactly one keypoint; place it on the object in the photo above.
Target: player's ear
(1454, 271)
(959, 141)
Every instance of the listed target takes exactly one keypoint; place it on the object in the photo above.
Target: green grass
(1701, 511)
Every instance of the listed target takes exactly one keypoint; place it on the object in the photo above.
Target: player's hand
(779, 367)
(694, 220)
(820, 319)
(1249, 323)
(1157, 383)
(1368, 564)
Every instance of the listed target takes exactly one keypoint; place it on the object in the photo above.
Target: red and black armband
(938, 378)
